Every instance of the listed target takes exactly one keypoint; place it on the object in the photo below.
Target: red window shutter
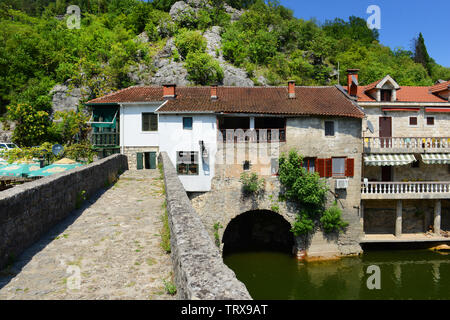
(320, 167)
(350, 168)
(328, 168)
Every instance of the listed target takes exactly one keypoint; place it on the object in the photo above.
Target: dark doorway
(259, 230)
(386, 132)
(386, 174)
(150, 160)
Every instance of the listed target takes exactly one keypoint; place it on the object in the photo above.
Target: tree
(31, 125)
(421, 53)
(203, 69)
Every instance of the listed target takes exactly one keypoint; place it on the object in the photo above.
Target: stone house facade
(406, 156)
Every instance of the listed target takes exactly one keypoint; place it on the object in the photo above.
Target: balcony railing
(106, 139)
(406, 144)
(256, 135)
(405, 188)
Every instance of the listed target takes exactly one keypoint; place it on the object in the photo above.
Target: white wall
(131, 127)
(174, 138)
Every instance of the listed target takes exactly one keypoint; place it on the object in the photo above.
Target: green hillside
(37, 50)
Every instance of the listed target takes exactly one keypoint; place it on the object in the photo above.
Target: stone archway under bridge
(226, 202)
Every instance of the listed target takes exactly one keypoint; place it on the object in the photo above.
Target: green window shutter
(152, 160)
(145, 122)
(140, 160)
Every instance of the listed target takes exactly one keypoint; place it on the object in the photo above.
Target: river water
(413, 274)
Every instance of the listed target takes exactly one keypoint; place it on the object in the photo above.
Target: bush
(203, 69)
(303, 224)
(331, 220)
(189, 42)
(251, 183)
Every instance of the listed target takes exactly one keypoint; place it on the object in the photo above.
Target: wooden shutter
(328, 168)
(140, 160)
(153, 122)
(320, 167)
(350, 167)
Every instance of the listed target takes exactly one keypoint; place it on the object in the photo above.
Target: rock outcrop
(66, 98)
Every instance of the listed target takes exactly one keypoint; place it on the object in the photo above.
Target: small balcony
(405, 190)
(255, 135)
(407, 145)
(103, 139)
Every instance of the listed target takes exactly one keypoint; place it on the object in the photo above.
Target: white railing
(405, 187)
(407, 143)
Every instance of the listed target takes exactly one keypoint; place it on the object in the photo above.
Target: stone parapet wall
(29, 210)
(200, 273)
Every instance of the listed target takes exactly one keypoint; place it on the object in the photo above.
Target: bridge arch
(258, 230)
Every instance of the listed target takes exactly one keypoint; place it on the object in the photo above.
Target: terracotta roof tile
(440, 87)
(404, 94)
(324, 101)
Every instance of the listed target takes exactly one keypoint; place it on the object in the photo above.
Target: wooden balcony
(256, 135)
(105, 139)
(407, 145)
(405, 190)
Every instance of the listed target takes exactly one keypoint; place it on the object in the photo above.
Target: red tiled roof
(404, 94)
(323, 101)
(440, 87)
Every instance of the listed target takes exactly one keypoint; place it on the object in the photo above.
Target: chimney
(169, 90)
(291, 89)
(214, 91)
(352, 81)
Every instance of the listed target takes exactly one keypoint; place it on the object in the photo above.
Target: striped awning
(389, 159)
(436, 158)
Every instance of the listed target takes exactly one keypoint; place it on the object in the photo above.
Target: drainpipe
(122, 129)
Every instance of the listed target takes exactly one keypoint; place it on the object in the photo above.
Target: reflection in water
(404, 275)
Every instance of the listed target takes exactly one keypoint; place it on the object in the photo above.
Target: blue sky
(401, 20)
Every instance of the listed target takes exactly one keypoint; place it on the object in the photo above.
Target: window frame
(142, 122)
(417, 121)
(310, 164)
(325, 128)
(385, 91)
(434, 121)
(192, 123)
(339, 175)
(193, 162)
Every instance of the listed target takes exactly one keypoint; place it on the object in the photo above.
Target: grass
(165, 231)
(170, 287)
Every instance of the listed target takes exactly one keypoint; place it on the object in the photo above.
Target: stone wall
(131, 153)
(29, 210)
(379, 216)
(200, 273)
(401, 127)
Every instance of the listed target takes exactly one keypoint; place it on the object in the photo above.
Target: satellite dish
(57, 149)
(370, 127)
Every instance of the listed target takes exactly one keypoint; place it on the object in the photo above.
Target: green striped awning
(436, 158)
(389, 159)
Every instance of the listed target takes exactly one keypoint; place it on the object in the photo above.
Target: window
(413, 121)
(430, 121)
(309, 164)
(187, 123)
(149, 122)
(338, 165)
(187, 163)
(386, 95)
(329, 128)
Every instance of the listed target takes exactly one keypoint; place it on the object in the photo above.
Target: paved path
(112, 243)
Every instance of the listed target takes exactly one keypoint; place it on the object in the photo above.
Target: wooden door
(386, 132)
(152, 160)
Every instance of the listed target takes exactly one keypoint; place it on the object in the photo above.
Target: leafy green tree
(421, 53)
(70, 127)
(188, 41)
(203, 69)
(31, 125)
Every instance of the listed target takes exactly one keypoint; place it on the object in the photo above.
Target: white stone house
(406, 169)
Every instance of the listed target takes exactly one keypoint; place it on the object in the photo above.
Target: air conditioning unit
(341, 183)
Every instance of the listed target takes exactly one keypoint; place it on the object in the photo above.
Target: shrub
(170, 287)
(251, 183)
(188, 41)
(331, 219)
(203, 69)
